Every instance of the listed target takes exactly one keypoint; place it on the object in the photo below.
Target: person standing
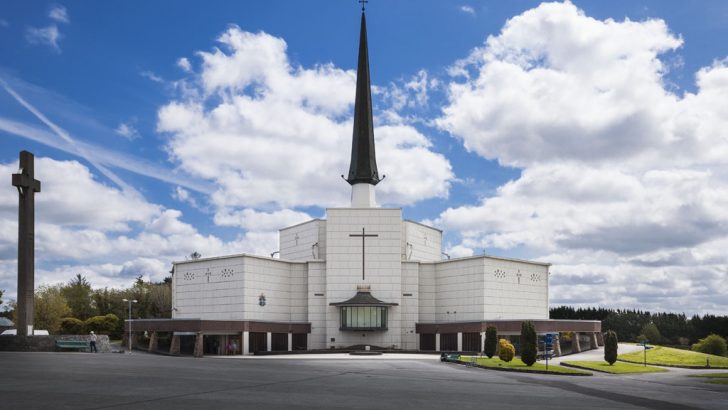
(93, 342)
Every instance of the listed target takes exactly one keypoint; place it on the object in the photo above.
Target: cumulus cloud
(281, 134)
(49, 36)
(619, 173)
(59, 13)
(109, 235)
(467, 9)
(184, 64)
(127, 130)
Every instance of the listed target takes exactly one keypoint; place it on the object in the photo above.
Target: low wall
(48, 343)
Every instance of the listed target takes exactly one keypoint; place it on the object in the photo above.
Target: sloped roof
(363, 298)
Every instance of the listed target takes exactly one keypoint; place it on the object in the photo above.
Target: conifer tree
(491, 341)
(529, 343)
(610, 347)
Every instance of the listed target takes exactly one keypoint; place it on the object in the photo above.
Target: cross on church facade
(27, 186)
(363, 237)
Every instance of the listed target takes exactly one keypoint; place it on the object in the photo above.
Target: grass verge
(715, 378)
(517, 365)
(616, 368)
(667, 356)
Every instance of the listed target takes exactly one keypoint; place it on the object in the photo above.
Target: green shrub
(72, 326)
(491, 341)
(529, 343)
(712, 344)
(507, 351)
(102, 324)
(610, 347)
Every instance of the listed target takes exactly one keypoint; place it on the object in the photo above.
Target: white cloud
(281, 134)
(109, 235)
(619, 174)
(127, 131)
(59, 13)
(467, 9)
(151, 76)
(184, 64)
(49, 36)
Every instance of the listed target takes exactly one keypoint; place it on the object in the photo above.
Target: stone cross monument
(27, 186)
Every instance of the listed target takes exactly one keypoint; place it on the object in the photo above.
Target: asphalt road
(143, 381)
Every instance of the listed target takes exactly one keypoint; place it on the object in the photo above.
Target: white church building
(363, 276)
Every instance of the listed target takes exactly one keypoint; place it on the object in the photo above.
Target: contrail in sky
(100, 156)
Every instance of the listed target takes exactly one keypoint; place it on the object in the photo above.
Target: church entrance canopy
(363, 312)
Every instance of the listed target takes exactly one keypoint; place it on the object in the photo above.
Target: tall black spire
(363, 168)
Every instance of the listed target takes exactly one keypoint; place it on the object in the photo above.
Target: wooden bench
(72, 344)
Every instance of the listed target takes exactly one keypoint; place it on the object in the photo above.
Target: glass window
(363, 317)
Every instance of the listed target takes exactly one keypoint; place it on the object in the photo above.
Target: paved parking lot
(96, 381)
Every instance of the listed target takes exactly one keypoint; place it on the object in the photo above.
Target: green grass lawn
(715, 378)
(517, 365)
(617, 367)
(667, 356)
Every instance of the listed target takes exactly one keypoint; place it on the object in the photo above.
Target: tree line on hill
(76, 308)
(638, 325)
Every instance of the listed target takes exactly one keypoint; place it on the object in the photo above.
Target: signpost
(644, 344)
(548, 340)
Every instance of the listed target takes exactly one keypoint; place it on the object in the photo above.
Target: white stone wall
(229, 288)
(296, 243)
(298, 292)
(209, 289)
(410, 304)
(383, 269)
(483, 287)
(317, 304)
(421, 242)
(459, 290)
(427, 288)
(515, 290)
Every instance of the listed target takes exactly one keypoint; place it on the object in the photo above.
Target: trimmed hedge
(507, 351)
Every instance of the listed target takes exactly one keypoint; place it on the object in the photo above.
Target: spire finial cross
(363, 3)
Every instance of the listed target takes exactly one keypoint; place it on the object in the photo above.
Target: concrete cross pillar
(460, 341)
(600, 338)
(575, 344)
(290, 342)
(557, 345)
(437, 342)
(245, 342)
(268, 341)
(198, 352)
(594, 342)
(152, 342)
(174, 345)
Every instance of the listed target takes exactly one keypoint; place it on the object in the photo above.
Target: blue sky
(577, 133)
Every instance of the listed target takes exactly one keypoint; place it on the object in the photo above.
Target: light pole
(130, 301)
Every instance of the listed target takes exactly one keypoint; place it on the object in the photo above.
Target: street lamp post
(130, 301)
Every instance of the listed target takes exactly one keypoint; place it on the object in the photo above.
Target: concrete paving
(596, 354)
(139, 380)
